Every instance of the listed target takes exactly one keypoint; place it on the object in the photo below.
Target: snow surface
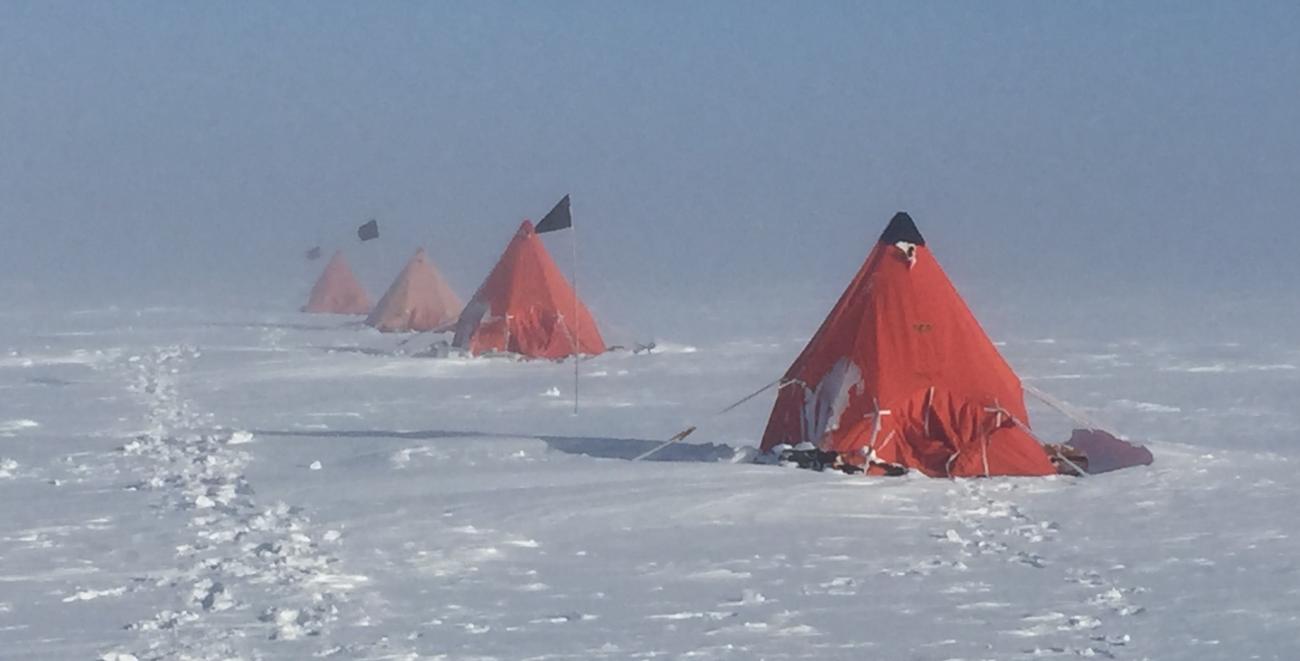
(176, 483)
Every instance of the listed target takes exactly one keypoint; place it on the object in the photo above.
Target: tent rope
(1061, 407)
(779, 384)
(1025, 428)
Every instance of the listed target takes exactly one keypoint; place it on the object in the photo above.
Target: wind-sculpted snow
(179, 488)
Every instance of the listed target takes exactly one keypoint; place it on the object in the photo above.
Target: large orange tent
(337, 290)
(901, 376)
(418, 300)
(526, 306)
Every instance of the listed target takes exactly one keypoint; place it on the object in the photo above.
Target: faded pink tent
(337, 290)
(419, 300)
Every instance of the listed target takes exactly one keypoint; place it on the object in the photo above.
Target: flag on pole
(557, 219)
(368, 231)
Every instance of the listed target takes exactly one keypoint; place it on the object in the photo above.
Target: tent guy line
(681, 435)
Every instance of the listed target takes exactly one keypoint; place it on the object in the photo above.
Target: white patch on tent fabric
(825, 405)
(909, 251)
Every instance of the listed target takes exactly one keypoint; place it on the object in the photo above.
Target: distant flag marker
(558, 219)
(368, 231)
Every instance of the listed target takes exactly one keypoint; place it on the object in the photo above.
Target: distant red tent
(418, 300)
(901, 374)
(337, 290)
(526, 306)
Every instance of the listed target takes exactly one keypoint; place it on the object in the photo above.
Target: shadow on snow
(590, 446)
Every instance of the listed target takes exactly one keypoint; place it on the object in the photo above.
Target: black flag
(557, 219)
(368, 231)
(313, 254)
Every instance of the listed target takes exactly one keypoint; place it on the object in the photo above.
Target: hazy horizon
(712, 150)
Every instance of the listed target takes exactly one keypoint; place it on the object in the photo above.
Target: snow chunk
(87, 595)
(18, 425)
(670, 347)
(1146, 407)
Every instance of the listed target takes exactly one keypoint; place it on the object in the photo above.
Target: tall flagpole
(577, 323)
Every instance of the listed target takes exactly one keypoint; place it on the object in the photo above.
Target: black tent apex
(901, 228)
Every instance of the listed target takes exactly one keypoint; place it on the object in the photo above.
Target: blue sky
(710, 147)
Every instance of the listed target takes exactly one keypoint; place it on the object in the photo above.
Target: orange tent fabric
(901, 373)
(418, 300)
(337, 290)
(526, 306)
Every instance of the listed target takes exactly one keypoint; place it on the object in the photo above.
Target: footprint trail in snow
(991, 527)
(250, 571)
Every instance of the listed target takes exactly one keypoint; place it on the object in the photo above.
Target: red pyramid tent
(418, 300)
(337, 290)
(901, 373)
(526, 306)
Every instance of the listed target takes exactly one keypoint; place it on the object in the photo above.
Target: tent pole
(577, 335)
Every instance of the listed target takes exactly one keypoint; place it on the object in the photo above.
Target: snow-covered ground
(182, 483)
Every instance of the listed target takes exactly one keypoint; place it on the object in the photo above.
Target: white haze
(190, 468)
(169, 151)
